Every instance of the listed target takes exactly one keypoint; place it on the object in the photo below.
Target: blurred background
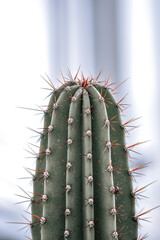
(120, 38)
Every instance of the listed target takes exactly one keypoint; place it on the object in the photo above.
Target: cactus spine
(81, 192)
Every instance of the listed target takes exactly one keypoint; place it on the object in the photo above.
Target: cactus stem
(86, 130)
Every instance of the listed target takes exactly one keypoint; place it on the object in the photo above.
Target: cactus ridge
(82, 184)
(38, 186)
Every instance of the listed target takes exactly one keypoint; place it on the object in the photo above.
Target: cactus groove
(83, 195)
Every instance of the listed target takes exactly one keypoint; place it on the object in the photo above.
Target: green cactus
(82, 180)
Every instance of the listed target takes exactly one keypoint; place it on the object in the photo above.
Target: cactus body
(76, 175)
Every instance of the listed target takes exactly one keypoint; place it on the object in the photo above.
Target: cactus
(82, 185)
(82, 142)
